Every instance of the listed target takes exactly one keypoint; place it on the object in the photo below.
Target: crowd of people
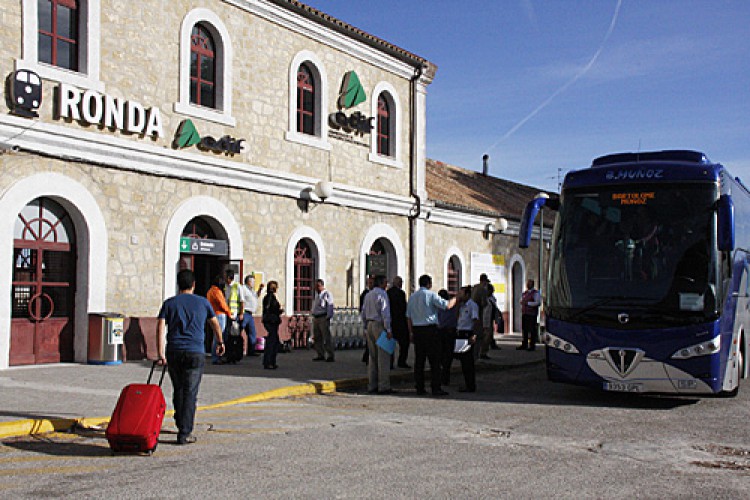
(441, 328)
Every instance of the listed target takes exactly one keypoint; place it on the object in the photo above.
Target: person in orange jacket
(216, 298)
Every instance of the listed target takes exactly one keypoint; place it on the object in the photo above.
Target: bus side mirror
(527, 221)
(725, 218)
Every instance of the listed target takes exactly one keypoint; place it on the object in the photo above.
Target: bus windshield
(648, 251)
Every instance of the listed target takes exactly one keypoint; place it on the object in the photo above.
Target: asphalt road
(520, 437)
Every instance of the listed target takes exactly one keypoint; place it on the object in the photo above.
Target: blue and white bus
(648, 285)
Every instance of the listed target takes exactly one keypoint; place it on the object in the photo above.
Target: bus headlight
(703, 349)
(560, 344)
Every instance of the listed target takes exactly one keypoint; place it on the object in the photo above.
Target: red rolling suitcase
(136, 422)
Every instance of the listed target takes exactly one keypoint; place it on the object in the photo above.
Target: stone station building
(258, 134)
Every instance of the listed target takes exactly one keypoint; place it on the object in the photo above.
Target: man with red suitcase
(184, 317)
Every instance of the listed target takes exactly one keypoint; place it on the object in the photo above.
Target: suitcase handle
(151, 373)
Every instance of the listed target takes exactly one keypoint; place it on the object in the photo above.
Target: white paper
(691, 302)
(462, 345)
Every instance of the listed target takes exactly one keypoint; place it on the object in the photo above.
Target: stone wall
(440, 238)
(139, 61)
(137, 209)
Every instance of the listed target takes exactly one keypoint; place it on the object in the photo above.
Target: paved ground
(51, 397)
(520, 436)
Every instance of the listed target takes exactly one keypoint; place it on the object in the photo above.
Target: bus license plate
(622, 387)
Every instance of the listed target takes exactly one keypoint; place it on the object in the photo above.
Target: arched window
(58, 25)
(304, 277)
(385, 147)
(202, 67)
(205, 76)
(384, 127)
(305, 100)
(454, 275)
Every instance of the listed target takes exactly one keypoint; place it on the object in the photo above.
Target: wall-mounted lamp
(322, 191)
(492, 228)
(6, 147)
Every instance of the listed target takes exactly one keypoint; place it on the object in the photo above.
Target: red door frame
(38, 333)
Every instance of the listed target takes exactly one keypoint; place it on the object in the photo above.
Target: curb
(43, 426)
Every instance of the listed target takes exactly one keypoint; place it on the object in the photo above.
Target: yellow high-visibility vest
(234, 298)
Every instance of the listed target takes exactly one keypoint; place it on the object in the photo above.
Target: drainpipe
(416, 209)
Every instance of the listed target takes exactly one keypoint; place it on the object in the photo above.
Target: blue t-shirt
(185, 316)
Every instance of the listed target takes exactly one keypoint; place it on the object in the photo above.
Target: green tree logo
(352, 92)
(187, 135)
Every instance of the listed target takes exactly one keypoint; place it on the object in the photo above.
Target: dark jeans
(447, 345)
(248, 325)
(186, 371)
(272, 344)
(426, 347)
(402, 336)
(530, 330)
(467, 362)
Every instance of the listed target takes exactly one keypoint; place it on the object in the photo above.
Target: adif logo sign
(351, 94)
(187, 135)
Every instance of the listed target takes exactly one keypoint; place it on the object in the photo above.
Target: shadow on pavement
(528, 385)
(58, 447)
(38, 416)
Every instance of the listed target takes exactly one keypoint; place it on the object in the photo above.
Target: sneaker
(319, 358)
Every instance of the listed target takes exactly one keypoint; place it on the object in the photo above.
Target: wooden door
(43, 292)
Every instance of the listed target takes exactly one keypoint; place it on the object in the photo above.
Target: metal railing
(347, 330)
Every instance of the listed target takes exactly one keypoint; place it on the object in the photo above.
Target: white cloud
(638, 58)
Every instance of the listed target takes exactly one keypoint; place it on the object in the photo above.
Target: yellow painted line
(44, 426)
(258, 430)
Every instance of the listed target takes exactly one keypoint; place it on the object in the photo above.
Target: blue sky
(543, 85)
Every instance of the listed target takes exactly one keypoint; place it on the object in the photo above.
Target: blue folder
(388, 345)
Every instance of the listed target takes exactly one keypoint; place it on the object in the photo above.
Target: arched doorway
(381, 259)
(517, 277)
(43, 285)
(204, 249)
(304, 275)
(206, 265)
(381, 239)
(453, 274)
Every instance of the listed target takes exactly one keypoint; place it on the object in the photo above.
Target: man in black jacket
(397, 297)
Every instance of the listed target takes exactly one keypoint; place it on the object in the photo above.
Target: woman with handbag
(272, 312)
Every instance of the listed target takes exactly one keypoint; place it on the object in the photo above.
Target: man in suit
(397, 297)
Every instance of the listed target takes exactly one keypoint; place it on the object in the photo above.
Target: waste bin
(105, 338)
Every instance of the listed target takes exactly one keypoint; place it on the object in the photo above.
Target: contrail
(562, 89)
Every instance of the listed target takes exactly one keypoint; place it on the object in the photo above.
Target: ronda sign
(94, 108)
